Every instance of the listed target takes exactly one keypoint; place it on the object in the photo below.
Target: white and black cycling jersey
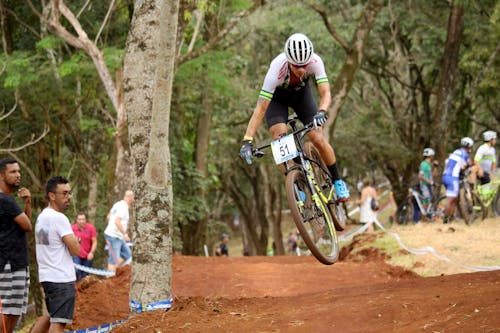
(278, 75)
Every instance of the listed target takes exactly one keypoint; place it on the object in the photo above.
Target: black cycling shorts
(485, 179)
(301, 101)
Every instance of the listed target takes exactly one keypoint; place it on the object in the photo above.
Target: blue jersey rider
(457, 162)
(287, 85)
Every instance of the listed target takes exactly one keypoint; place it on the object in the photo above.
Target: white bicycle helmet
(466, 142)
(298, 49)
(489, 135)
(429, 152)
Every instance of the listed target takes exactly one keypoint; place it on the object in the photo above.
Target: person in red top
(87, 236)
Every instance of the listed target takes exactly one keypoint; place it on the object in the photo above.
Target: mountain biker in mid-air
(455, 164)
(287, 85)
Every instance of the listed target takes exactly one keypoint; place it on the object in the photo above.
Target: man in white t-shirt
(116, 232)
(55, 246)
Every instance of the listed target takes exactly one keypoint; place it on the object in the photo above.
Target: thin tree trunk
(92, 197)
(354, 59)
(5, 27)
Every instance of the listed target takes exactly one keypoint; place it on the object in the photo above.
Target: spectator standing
(87, 237)
(116, 232)
(222, 250)
(14, 224)
(425, 180)
(367, 213)
(55, 246)
(455, 164)
(292, 243)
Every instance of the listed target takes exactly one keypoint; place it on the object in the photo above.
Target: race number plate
(284, 149)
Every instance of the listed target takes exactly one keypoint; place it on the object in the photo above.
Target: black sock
(334, 171)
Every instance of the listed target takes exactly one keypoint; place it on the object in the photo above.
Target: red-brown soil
(298, 294)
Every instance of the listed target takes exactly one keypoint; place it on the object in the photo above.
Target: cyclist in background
(455, 164)
(485, 160)
(287, 85)
(425, 182)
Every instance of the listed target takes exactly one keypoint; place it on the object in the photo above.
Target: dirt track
(298, 294)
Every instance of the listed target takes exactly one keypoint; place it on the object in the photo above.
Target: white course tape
(94, 271)
(99, 329)
(101, 272)
(349, 235)
(429, 249)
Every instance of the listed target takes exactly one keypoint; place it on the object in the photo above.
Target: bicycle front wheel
(471, 207)
(312, 218)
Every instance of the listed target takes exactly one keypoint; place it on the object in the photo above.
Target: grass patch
(474, 246)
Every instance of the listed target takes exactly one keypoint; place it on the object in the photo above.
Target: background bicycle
(470, 206)
(490, 195)
(434, 211)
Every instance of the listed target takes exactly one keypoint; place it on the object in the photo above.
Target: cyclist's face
(299, 71)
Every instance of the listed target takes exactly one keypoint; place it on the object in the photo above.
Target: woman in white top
(367, 214)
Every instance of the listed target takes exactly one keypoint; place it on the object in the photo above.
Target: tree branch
(5, 115)
(29, 143)
(30, 172)
(13, 14)
(83, 8)
(214, 41)
(108, 14)
(199, 19)
(331, 29)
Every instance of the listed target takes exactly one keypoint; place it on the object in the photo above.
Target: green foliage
(19, 69)
(113, 57)
(49, 43)
(73, 65)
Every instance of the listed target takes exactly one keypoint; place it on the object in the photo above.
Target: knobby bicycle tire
(337, 210)
(496, 203)
(310, 219)
(471, 207)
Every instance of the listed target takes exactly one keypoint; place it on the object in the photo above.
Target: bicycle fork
(320, 200)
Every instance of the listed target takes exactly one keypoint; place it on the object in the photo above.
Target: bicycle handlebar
(257, 152)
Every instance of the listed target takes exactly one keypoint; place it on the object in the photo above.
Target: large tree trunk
(148, 77)
(445, 114)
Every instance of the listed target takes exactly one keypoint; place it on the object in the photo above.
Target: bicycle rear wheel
(471, 207)
(313, 220)
(405, 213)
(496, 203)
(323, 178)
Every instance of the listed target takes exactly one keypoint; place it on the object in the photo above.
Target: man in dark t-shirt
(14, 223)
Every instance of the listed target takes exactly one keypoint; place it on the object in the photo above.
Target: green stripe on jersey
(266, 95)
(322, 80)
